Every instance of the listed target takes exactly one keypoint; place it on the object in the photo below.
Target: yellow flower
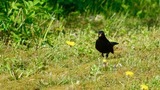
(129, 73)
(144, 87)
(70, 43)
(104, 61)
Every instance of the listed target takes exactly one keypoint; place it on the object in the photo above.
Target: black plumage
(103, 45)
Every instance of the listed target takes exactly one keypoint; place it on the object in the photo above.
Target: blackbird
(103, 45)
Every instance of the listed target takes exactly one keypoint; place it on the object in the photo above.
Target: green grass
(80, 66)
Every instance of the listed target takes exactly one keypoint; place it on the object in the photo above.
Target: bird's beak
(99, 35)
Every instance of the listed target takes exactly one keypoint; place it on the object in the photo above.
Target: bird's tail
(114, 43)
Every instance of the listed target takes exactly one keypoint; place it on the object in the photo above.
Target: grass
(80, 66)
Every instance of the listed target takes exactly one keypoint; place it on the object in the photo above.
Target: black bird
(103, 45)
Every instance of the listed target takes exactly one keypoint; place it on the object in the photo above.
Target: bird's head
(101, 34)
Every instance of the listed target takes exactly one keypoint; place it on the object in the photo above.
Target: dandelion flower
(104, 61)
(70, 43)
(129, 73)
(144, 87)
(105, 64)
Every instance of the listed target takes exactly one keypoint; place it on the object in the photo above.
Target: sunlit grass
(76, 64)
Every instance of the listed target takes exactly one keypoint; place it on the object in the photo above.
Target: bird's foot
(102, 55)
(106, 55)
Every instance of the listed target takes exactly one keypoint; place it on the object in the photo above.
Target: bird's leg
(102, 55)
(107, 55)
